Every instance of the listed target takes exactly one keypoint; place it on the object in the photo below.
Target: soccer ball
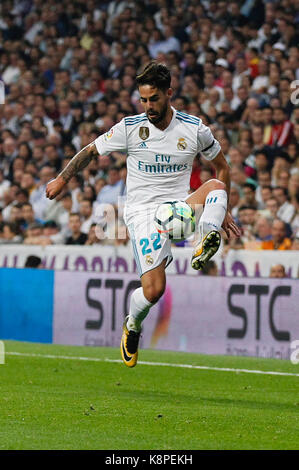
(175, 220)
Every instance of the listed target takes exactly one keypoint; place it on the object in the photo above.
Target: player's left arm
(210, 149)
(223, 174)
(222, 170)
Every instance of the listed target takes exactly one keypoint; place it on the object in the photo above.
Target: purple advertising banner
(111, 259)
(210, 315)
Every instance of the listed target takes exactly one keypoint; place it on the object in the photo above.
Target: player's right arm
(113, 140)
(77, 163)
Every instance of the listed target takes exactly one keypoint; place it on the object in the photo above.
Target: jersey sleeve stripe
(188, 116)
(135, 119)
(133, 123)
(187, 120)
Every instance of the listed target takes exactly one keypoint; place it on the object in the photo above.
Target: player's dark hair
(156, 75)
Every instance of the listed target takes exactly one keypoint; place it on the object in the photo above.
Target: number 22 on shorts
(156, 243)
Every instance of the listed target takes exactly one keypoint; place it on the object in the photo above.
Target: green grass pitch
(59, 403)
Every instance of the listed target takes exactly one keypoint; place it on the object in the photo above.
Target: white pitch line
(146, 363)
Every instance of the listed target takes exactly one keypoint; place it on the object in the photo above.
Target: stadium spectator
(272, 207)
(234, 200)
(247, 216)
(286, 210)
(76, 237)
(282, 129)
(210, 268)
(93, 235)
(4, 185)
(52, 233)
(264, 181)
(263, 229)
(248, 199)
(112, 190)
(28, 216)
(279, 239)
(294, 222)
(266, 194)
(33, 230)
(277, 271)
(86, 215)
(37, 196)
(46, 234)
(63, 218)
(293, 186)
(33, 261)
(10, 233)
(15, 215)
(74, 187)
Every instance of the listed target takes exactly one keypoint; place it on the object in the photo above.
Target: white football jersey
(159, 163)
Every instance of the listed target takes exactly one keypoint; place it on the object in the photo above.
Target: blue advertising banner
(26, 304)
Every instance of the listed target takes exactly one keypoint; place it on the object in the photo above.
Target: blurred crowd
(68, 70)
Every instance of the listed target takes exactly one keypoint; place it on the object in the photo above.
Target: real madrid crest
(149, 260)
(182, 144)
(143, 133)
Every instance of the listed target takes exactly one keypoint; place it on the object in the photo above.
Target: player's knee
(153, 292)
(217, 184)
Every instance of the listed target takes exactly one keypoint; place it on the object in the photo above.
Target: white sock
(214, 211)
(139, 308)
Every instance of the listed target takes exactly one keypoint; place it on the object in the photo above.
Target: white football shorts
(149, 248)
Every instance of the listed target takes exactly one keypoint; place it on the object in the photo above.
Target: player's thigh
(198, 197)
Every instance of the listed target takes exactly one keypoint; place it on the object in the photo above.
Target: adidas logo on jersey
(143, 145)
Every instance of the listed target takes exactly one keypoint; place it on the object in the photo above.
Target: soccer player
(161, 144)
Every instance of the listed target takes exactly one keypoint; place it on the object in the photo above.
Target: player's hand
(54, 187)
(229, 225)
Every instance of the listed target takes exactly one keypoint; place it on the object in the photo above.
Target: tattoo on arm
(79, 161)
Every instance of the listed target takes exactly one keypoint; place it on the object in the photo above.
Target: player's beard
(158, 117)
